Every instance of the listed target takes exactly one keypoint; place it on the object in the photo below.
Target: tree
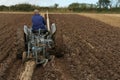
(83, 6)
(56, 5)
(24, 7)
(104, 3)
(3, 8)
(118, 3)
(91, 6)
(74, 5)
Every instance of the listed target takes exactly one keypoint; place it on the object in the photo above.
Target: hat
(36, 11)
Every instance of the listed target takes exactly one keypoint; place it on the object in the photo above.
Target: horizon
(46, 3)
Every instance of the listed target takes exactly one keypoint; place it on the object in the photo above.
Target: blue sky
(62, 3)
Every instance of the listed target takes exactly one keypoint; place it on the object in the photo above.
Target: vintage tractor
(38, 44)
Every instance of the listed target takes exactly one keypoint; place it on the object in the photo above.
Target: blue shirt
(38, 22)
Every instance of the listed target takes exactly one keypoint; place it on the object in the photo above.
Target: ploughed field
(90, 48)
(11, 43)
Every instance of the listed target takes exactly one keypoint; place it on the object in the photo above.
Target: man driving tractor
(39, 42)
(38, 22)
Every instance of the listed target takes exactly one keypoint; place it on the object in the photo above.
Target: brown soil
(11, 41)
(90, 48)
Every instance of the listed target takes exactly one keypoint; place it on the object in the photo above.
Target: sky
(62, 3)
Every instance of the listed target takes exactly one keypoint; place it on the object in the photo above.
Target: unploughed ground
(90, 48)
(111, 19)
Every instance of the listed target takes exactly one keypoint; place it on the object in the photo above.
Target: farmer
(38, 21)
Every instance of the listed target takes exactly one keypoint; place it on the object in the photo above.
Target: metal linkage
(38, 44)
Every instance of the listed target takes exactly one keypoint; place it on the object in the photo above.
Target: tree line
(101, 5)
(28, 7)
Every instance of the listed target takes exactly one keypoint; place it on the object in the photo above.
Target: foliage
(81, 7)
(104, 3)
(118, 3)
(56, 5)
(3, 8)
(74, 7)
(22, 7)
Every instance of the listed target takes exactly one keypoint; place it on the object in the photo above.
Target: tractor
(38, 44)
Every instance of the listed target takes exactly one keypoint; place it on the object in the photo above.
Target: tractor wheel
(24, 56)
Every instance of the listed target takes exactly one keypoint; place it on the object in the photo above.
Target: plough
(38, 44)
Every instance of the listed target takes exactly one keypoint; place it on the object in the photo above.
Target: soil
(111, 19)
(11, 43)
(90, 48)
